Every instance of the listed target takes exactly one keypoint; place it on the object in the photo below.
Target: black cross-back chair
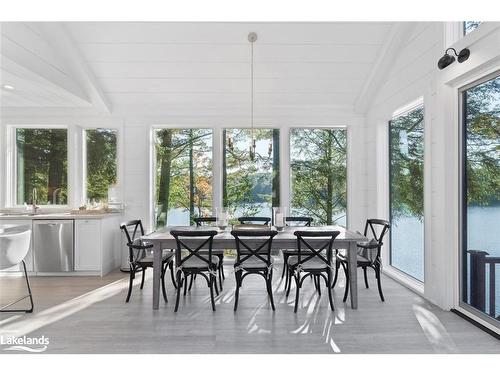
(295, 221)
(368, 254)
(253, 256)
(315, 261)
(219, 253)
(263, 220)
(193, 256)
(140, 257)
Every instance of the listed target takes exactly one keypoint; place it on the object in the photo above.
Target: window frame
(11, 186)
(462, 198)
(348, 163)
(408, 279)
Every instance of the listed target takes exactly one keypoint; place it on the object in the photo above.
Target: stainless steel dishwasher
(53, 245)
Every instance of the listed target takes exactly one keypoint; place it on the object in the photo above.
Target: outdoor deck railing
(479, 261)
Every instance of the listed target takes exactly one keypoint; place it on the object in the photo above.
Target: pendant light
(252, 37)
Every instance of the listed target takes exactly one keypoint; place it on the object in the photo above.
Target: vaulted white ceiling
(193, 66)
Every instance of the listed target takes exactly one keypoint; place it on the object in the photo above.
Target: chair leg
(142, 279)
(130, 284)
(366, 278)
(297, 287)
(179, 286)
(172, 274)
(318, 284)
(346, 293)
(184, 281)
(4, 309)
(269, 280)
(237, 292)
(213, 281)
(335, 278)
(215, 285)
(163, 289)
(377, 274)
(284, 265)
(220, 276)
(330, 297)
(30, 310)
(191, 283)
(286, 271)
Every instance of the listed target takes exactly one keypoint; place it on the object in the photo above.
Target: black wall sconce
(446, 60)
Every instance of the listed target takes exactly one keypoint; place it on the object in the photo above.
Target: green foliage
(319, 173)
(42, 164)
(406, 150)
(482, 105)
(101, 162)
(183, 172)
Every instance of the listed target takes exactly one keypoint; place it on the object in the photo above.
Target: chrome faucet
(54, 195)
(34, 198)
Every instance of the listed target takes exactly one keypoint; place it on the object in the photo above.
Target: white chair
(14, 245)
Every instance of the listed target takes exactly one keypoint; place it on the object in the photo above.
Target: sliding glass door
(481, 197)
(406, 163)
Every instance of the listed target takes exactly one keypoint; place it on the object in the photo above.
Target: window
(406, 163)
(41, 164)
(251, 187)
(470, 26)
(481, 197)
(183, 175)
(318, 159)
(100, 162)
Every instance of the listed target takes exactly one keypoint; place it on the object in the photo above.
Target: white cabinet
(88, 245)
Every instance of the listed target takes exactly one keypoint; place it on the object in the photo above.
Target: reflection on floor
(89, 315)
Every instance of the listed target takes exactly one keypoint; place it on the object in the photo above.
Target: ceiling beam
(59, 35)
(395, 41)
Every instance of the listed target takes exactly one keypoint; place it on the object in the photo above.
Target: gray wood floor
(89, 315)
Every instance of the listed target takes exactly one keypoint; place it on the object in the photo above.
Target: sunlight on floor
(434, 330)
(63, 310)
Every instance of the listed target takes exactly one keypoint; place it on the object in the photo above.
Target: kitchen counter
(57, 215)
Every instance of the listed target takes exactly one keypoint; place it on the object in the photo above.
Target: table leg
(157, 252)
(353, 273)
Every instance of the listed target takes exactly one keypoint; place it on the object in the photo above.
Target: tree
(319, 173)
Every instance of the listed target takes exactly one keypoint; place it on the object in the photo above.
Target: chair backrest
(133, 230)
(200, 221)
(194, 244)
(255, 244)
(298, 221)
(263, 220)
(377, 228)
(14, 245)
(307, 250)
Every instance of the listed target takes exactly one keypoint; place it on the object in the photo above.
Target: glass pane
(470, 26)
(318, 159)
(251, 187)
(101, 163)
(41, 163)
(406, 154)
(183, 180)
(481, 216)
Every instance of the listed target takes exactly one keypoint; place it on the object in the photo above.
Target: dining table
(285, 239)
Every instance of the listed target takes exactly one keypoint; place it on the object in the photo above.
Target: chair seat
(195, 262)
(254, 263)
(215, 252)
(360, 259)
(294, 251)
(311, 264)
(148, 259)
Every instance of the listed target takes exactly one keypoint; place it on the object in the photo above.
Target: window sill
(402, 278)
